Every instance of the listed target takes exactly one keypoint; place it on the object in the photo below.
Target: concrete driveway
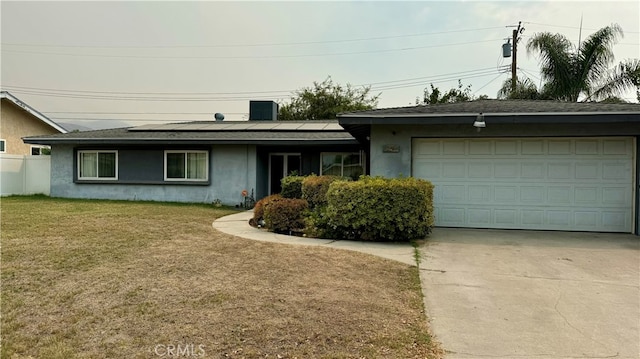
(528, 294)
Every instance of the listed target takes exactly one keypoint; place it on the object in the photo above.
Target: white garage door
(581, 184)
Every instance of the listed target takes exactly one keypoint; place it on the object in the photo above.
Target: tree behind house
(578, 72)
(324, 100)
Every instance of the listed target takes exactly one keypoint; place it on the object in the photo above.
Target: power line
(485, 85)
(248, 57)
(252, 45)
(145, 93)
(233, 96)
(423, 83)
(252, 93)
(572, 27)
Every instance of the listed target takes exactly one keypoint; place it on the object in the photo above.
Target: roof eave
(186, 141)
(32, 111)
(496, 118)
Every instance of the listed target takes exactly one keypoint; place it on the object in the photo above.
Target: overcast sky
(142, 62)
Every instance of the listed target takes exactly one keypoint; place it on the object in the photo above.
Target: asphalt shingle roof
(499, 106)
(216, 132)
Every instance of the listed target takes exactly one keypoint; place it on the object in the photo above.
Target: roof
(210, 132)
(499, 107)
(32, 111)
(495, 112)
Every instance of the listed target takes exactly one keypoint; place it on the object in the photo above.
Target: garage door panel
(561, 184)
(586, 147)
(560, 147)
(535, 170)
(559, 194)
(479, 216)
(532, 217)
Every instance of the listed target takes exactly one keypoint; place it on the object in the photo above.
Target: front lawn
(103, 279)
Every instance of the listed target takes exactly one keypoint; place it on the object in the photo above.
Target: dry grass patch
(102, 279)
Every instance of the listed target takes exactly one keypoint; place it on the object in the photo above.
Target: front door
(280, 166)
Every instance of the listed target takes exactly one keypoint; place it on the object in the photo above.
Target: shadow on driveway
(533, 294)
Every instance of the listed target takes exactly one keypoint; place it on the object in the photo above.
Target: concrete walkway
(238, 225)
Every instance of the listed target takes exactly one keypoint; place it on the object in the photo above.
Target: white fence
(24, 174)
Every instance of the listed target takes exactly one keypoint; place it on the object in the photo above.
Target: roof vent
(263, 111)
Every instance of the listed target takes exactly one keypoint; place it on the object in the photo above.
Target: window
(40, 150)
(97, 165)
(186, 165)
(342, 164)
(3, 145)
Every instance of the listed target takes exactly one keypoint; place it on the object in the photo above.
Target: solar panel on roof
(242, 126)
(333, 127)
(312, 126)
(288, 126)
(264, 126)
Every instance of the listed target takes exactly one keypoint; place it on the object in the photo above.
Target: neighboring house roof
(210, 132)
(31, 110)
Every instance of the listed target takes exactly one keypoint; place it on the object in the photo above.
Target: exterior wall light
(479, 122)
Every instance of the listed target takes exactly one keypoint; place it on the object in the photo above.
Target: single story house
(495, 163)
(200, 161)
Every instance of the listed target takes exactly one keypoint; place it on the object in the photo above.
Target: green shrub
(285, 215)
(261, 205)
(376, 208)
(317, 224)
(292, 186)
(314, 189)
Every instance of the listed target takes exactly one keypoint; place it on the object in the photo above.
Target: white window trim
(206, 170)
(37, 146)
(5, 145)
(360, 153)
(97, 178)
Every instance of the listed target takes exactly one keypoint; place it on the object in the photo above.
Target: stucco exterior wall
(17, 123)
(390, 164)
(232, 169)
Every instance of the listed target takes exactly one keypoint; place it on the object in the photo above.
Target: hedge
(285, 215)
(261, 205)
(375, 208)
(314, 189)
(292, 186)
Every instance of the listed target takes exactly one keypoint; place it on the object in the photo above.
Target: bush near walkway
(292, 186)
(375, 208)
(314, 189)
(285, 215)
(261, 205)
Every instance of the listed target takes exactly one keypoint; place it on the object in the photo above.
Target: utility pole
(514, 61)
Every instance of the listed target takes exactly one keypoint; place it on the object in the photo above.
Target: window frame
(97, 178)
(40, 147)
(185, 179)
(4, 147)
(362, 160)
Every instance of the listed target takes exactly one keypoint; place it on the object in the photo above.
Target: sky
(116, 64)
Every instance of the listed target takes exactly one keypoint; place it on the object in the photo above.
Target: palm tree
(525, 90)
(571, 72)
